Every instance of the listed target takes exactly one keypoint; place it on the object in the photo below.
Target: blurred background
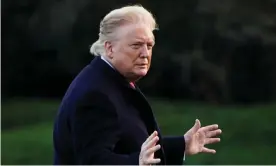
(214, 60)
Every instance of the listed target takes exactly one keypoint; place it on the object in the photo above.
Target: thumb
(196, 126)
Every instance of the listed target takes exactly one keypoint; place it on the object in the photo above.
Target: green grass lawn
(26, 111)
(28, 145)
(248, 132)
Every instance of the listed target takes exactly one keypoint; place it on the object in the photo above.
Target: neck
(128, 77)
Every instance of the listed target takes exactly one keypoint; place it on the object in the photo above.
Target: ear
(108, 49)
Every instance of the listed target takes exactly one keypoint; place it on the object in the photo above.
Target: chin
(142, 72)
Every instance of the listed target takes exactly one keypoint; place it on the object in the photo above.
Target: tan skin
(131, 55)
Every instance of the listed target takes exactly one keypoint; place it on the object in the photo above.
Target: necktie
(132, 85)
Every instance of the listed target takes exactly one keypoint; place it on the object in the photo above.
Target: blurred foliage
(221, 51)
(248, 132)
(22, 111)
(217, 55)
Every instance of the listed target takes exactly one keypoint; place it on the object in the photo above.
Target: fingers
(151, 136)
(148, 149)
(152, 142)
(153, 149)
(149, 154)
(212, 140)
(213, 133)
(196, 126)
(210, 127)
(153, 161)
(206, 150)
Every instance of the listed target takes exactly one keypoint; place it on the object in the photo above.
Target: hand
(147, 150)
(197, 137)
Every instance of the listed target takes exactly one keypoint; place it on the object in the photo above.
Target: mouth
(142, 65)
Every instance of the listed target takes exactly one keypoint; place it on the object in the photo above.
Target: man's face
(131, 52)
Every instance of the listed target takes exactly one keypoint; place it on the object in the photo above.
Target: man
(104, 118)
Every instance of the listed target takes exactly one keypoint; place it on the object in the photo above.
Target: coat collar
(109, 71)
(113, 75)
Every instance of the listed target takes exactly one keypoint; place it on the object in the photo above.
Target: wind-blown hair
(118, 17)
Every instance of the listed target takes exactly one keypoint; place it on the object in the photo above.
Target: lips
(143, 64)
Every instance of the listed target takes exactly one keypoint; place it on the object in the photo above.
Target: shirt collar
(104, 59)
(132, 84)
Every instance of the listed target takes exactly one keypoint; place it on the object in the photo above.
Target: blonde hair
(117, 17)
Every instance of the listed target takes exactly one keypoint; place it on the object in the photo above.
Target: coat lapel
(147, 115)
(137, 98)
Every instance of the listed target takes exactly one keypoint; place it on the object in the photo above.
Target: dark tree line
(220, 51)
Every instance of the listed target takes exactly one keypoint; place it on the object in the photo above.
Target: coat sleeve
(95, 132)
(174, 147)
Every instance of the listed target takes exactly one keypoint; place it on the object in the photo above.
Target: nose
(144, 51)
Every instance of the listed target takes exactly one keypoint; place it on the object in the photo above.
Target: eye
(136, 45)
(150, 46)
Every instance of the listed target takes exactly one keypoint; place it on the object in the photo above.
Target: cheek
(132, 58)
(149, 59)
(126, 57)
(127, 62)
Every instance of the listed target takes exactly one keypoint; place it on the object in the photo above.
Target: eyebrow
(142, 40)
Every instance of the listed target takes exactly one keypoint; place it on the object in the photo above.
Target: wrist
(186, 140)
(185, 145)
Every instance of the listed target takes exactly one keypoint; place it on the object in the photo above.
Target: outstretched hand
(148, 149)
(197, 137)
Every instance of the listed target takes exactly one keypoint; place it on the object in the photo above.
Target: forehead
(136, 32)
